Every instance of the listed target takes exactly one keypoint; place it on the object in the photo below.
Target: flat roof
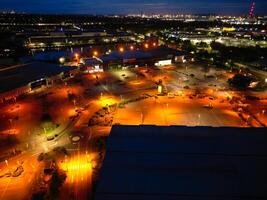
(15, 77)
(159, 52)
(175, 162)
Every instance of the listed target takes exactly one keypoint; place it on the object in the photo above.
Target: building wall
(13, 94)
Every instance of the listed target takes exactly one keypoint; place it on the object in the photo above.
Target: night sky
(133, 6)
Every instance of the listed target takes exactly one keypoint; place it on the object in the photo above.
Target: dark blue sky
(133, 6)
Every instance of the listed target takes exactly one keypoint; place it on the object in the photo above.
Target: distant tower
(252, 9)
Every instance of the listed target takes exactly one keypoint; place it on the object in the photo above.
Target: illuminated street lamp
(62, 60)
(154, 44)
(74, 102)
(11, 123)
(146, 46)
(6, 161)
(160, 89)
(132, 47)
(121, 49)
(95, 53)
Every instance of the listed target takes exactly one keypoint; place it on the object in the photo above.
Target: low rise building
(188, 163)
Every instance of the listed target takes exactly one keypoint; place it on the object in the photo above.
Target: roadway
(178, 110)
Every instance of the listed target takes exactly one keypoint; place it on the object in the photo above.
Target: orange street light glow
(146, 46)
(180, 93)
(104, 101)
(77, 166)
(154, 44)
(210, 91)
(13, 131)
(136, 82)
(72, 112)
(15, 108)
(121, 49)
(132, 47)
(95, 53)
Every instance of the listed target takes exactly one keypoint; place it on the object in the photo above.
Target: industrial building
(177, 162)
(133, 58)
(62, 38)
(30, 76)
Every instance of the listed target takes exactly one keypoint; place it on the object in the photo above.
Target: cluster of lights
(96, 53)
(81, 163)
(77, 166)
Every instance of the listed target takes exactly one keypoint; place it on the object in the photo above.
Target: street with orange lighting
(83, 109)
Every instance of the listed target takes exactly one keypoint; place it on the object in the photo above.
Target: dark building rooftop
(200, 163)
(161, 52)
(15, 77)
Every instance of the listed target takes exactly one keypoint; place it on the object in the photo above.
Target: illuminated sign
(163, 62)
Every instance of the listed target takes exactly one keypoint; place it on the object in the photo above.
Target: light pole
(10, 121)
(6, 161)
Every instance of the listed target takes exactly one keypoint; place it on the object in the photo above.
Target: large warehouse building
(156, 56)
(196, 163)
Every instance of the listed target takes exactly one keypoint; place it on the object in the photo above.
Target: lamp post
(142, 118)
(6, 161)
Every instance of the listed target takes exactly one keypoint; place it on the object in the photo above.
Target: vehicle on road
(50, 138)
(209, 106)
(171, 95)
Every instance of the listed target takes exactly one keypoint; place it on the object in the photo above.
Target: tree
(187, 45)
(216, 46)
(240, 81)
(47, 123)
(58, 178)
